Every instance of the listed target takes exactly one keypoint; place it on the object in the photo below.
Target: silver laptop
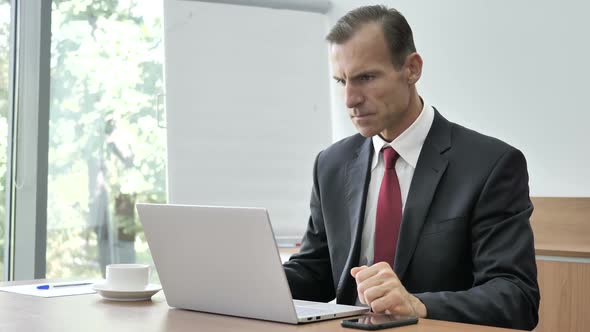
(225, 260)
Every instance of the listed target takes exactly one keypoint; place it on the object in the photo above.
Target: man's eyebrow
(364, 72)
(358, 75)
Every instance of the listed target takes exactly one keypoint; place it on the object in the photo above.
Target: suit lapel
(357, 175)
(430, 168)
(357, 183)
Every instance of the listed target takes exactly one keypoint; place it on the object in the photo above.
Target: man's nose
(353, 96)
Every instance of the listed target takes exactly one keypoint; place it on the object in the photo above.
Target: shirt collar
(409, 144)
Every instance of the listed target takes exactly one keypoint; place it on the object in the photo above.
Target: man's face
(377, 95)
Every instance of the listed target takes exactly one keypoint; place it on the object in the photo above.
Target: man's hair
(396, 30)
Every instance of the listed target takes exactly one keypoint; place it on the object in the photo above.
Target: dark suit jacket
(465, 247)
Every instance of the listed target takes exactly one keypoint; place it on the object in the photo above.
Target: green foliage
(72, 251)
(106, 71)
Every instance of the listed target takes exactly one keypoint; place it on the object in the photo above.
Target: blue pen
(64, 285)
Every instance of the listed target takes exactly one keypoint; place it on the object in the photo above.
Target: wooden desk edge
(562, 253)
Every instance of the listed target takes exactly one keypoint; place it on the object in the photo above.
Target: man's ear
(413, 67)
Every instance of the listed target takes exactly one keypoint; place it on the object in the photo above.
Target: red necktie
(389, 211)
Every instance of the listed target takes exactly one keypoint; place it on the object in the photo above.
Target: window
(4, 57)
(106, 150)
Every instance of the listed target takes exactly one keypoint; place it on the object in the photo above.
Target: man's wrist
(419, 307)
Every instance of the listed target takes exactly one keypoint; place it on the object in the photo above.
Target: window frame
(28, 134)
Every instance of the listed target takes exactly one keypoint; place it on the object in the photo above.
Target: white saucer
(126, 295)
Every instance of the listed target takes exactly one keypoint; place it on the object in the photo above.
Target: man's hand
(380, 288)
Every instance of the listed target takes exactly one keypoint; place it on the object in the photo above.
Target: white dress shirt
(408, 145)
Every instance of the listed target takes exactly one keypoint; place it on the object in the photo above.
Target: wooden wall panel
(561, 226)
(565, 296)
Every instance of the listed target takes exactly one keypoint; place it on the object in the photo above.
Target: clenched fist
(380, 288)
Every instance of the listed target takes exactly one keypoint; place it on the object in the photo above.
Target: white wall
(516, 70)
(247, 102)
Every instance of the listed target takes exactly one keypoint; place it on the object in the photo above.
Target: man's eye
(340, 82)
(366, 77)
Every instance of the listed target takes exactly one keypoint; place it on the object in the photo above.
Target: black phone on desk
(372, 321)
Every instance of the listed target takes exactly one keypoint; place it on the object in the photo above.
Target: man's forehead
(346, 64)
(366, 48)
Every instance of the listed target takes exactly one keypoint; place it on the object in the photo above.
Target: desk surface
(92, 313)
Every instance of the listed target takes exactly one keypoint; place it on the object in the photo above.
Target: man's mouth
(362, 115)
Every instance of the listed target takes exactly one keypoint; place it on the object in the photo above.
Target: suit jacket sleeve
(309, 272)
(505, 290)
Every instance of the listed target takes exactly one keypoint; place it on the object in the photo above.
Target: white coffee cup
(128, 276)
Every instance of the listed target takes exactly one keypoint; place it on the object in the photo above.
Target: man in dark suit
(414, 215)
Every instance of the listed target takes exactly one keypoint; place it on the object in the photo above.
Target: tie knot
(389, 156)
